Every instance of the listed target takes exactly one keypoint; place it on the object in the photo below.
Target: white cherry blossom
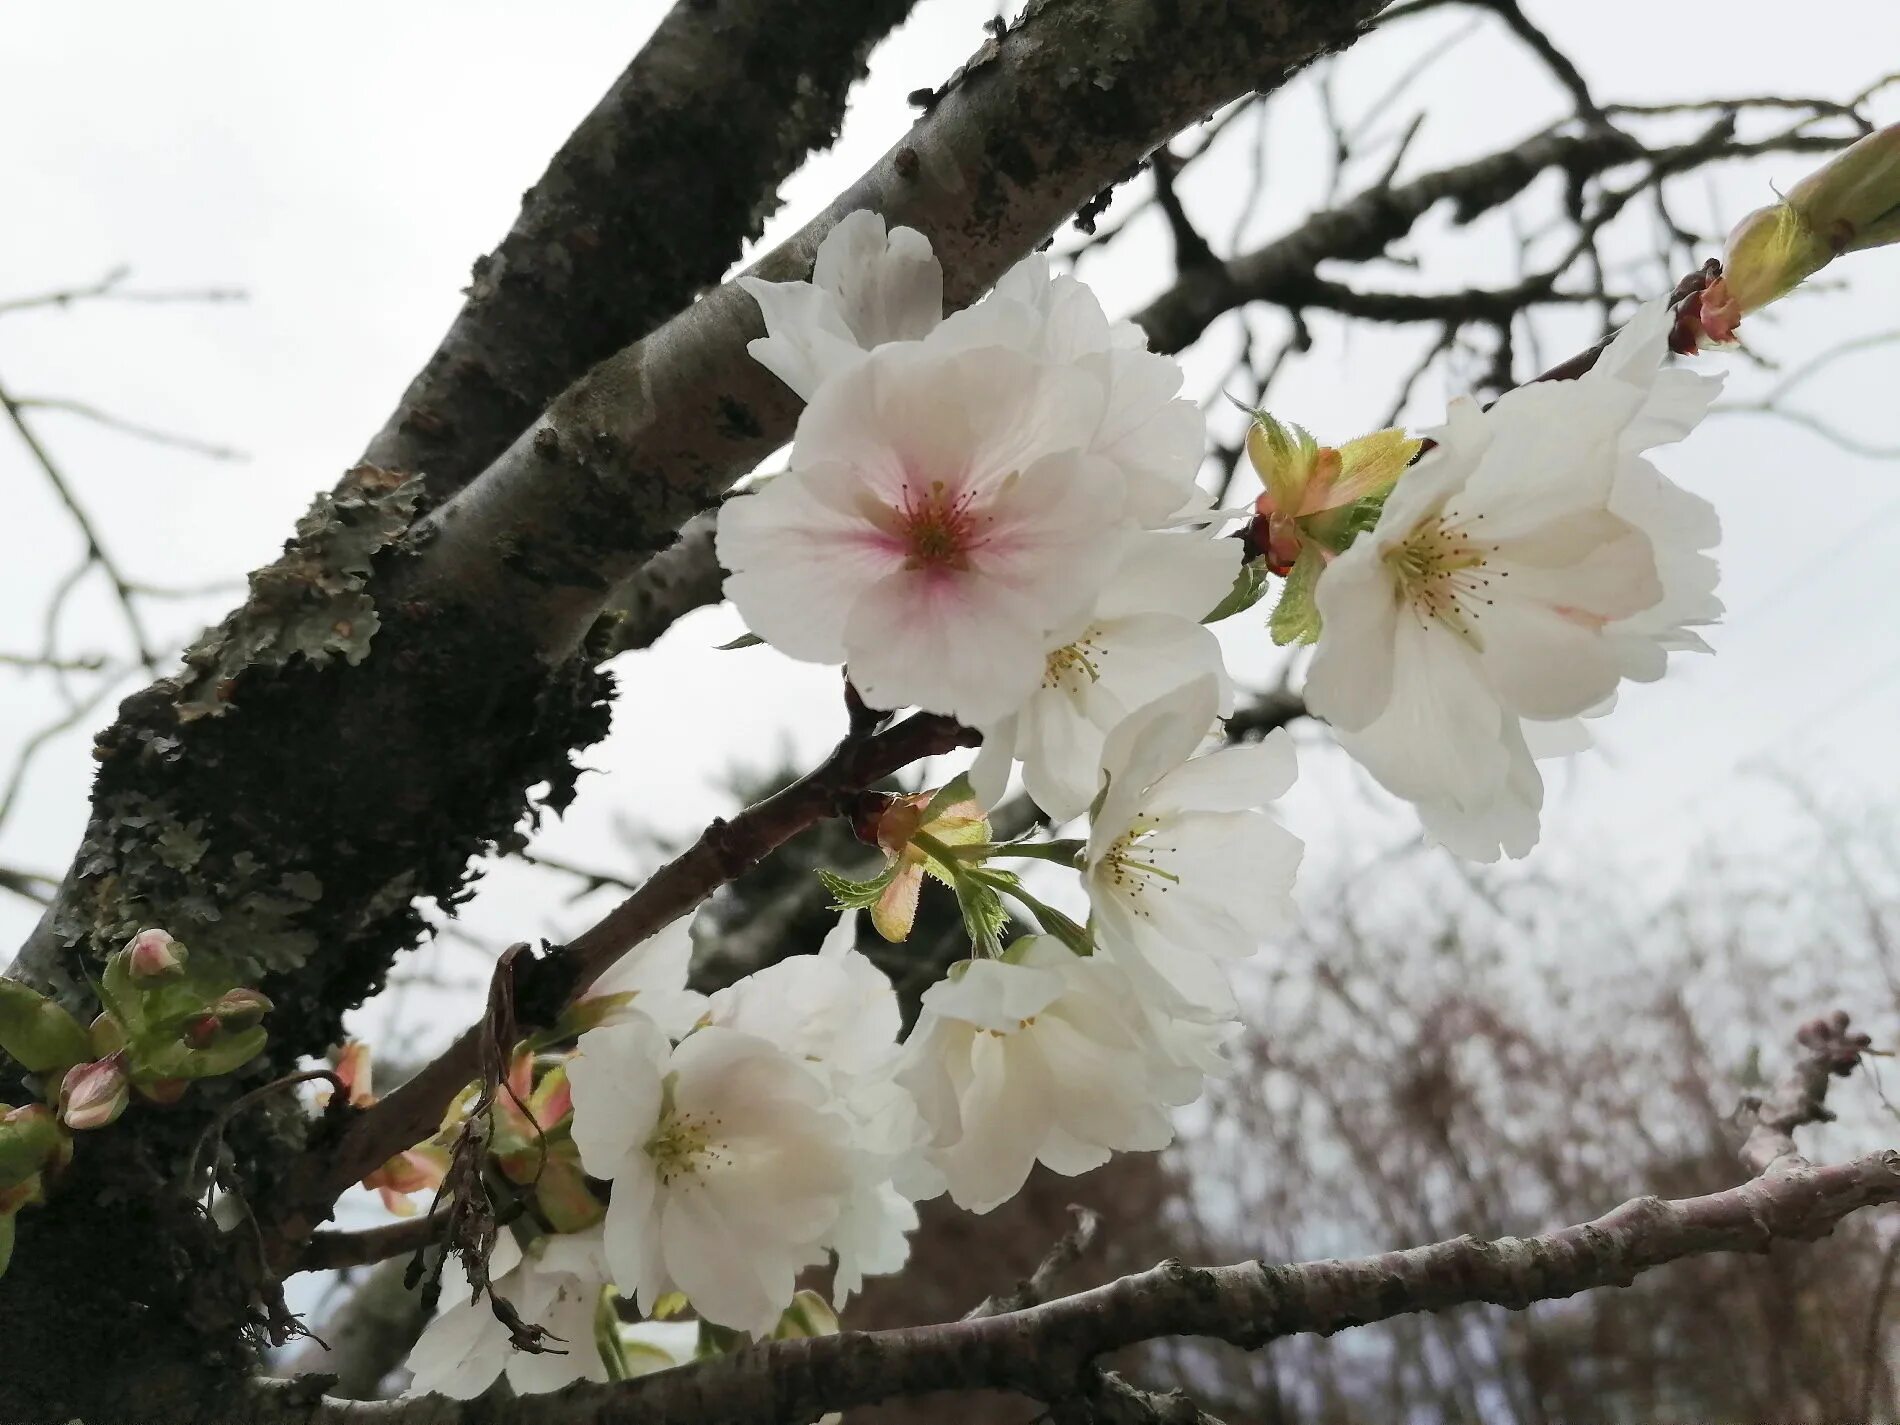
(555, 1284)
(866, 288)
(1145, 640)
(836, 1013)
(1184, 870)
(1044, 1056)
(1155, 439)
(1518, 572)
(728, 1162)
(941, 526)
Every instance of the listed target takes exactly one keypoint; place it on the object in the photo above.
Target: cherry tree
(646, 1184)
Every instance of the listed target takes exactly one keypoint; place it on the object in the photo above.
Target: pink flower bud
(93, 1095)
(153, 957)
(202, 1031)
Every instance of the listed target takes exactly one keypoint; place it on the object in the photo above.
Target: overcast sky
(344, 164)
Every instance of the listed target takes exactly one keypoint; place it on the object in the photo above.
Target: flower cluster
(993, 515)
(1517, 573)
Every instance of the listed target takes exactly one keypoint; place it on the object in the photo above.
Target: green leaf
(36, 1033)
(6, 1242)
(1295, 617)
(744, 640)
(178, 1060)
(847, 894)
(1249, 584)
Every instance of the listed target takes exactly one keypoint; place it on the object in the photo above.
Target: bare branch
(86, 411)
(95, 550)
(109, 287)
(1039, 1285)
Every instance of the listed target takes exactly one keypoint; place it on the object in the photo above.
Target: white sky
(345, 163)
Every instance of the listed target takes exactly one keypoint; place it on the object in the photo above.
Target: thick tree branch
(1029, 130)
(450, 655)
(648, 201)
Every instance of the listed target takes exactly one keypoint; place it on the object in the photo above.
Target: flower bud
(241, 1008)
(1285, 458)
(36, 1033)
(563, 1197)
(154, 958)
(29, 1138)
(1853, 200)
(201, 1032)
(1850, 202)
(93, 1095)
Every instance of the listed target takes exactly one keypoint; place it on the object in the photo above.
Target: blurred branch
(95, 549)
(110, 287)
(30, 885)
(132, 428)
(369, 1335)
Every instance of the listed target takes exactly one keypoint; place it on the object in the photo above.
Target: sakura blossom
(941, 526)
(867, 287)
(555, 1283)
(837, 1013)
(1144, 640)
(649, 981)
(1043, 1057)
(729, 1164)
(1184, 870)
(1524, 567)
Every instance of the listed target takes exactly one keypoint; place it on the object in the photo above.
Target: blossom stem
(1053, 921)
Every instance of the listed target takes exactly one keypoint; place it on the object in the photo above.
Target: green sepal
(1296, 617)
(744, 640)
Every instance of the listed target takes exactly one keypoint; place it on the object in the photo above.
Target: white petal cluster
(1518, 572)
(837, 1014)
(730, 1166)
(1044, 1057)
(959, 491)
(555, 1284)
(1184, 868)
